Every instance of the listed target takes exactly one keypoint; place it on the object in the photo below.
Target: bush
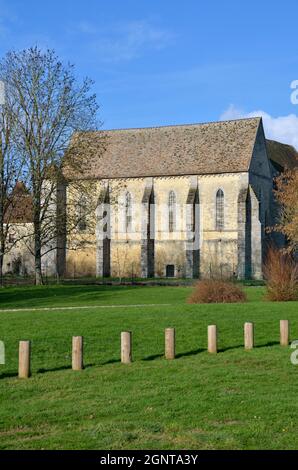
(217, 291)
(281, 273)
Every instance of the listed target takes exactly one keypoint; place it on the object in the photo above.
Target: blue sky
(158, 62)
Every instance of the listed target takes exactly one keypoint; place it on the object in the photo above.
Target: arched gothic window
(128, 212)
(172, 211)
(220, 210)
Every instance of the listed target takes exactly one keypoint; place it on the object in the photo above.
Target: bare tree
(11, 170)
(287, 195)
(51, 105)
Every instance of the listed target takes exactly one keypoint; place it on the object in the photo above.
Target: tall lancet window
(220, 210)
(128, 212)
(172, 211)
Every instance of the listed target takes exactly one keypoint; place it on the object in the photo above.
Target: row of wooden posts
(126, 346)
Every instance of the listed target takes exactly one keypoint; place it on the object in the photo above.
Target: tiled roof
(217, 147)
(284, 155)
(20, 210)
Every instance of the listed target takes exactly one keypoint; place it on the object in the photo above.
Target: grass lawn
(233, 400)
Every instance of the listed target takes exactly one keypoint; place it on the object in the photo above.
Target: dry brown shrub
(281, 273)
(216, 291)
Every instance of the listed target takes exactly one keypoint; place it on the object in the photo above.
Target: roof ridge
(179, 125)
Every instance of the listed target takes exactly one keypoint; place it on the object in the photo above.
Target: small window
(104, 216)
(170, 270)
(11, 238)
(172, 211)
(128, 212)
(220, 206)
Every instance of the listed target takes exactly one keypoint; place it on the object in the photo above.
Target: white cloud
(131, 40)
(122, 41)
(85, 27)
(281, 128)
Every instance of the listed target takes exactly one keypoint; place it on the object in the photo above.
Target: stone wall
(219, 251)
(236, 250)
(19, 260)
(262, 203)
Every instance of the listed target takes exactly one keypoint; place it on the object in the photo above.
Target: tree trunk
(2, 230)
(2, 251)
(1, 268)
(37, 254)
(38, 273)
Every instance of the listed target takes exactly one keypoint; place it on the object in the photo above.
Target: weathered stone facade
(195, 165)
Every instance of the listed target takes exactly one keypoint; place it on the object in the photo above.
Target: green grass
(233, 400)
(76, 295)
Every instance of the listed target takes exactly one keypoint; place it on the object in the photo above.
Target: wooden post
(248, 335)
(126, 347)
(284, 332)
(24, 359)
(170, 343)
(77, 353)
(212, 339)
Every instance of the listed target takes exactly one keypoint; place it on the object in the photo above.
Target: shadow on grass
(110, 361)
(57, 369)
(230, 348)
(193, 352)
(152, 357)
(270, 343)
(256, 346)
(47, 296)
(7, 375)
